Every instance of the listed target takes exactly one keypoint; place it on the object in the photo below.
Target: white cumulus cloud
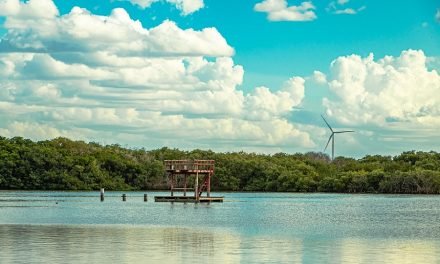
(339, 8)
(263, 104)
(38, 131)
(29, 10)
(72, 33)
(391, 90)
(124, 83)
(319, 77)
(185, 6)
(278, 10)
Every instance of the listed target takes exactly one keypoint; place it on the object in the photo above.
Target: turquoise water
(75, 227)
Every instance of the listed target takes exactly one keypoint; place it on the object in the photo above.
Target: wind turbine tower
(332, 137)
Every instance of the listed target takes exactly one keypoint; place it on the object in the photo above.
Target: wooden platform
(188, 199)
(180, 171)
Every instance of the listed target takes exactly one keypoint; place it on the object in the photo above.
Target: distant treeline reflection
(62, 164)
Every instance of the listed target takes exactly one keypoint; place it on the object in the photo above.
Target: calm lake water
(75, 227)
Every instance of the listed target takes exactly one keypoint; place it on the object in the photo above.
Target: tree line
(63, 164)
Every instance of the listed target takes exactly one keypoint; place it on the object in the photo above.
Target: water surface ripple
(75, 227)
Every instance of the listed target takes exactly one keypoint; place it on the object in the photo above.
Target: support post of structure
(172, 184)
(102, 195)
(124, 197)
(196, 187)
(145, 198)
(208, 188)
(184, 184)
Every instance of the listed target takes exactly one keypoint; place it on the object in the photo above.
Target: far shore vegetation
(63, 164)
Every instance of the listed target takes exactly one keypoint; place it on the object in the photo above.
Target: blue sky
(224, 75)
(273, 51)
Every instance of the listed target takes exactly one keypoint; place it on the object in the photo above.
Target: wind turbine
(332, 137)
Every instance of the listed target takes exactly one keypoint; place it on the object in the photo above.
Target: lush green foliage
(62, 164)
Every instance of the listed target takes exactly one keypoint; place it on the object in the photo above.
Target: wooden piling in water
(145, 198)
(124, 197)
(102, 195)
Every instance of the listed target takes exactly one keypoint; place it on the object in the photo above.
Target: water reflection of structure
(129, 244)
(63, 244)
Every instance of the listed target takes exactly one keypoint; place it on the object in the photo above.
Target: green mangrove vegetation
(63, 164)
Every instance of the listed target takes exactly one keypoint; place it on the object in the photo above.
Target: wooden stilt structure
(179, 171)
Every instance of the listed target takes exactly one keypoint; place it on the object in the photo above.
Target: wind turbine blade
(345, 131)
(330, 138)
(327, 123)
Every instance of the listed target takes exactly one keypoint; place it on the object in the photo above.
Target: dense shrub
(63, 164)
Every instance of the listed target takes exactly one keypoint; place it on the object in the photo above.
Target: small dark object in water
(102, 194)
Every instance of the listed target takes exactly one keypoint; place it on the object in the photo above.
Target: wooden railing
(189, 165)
